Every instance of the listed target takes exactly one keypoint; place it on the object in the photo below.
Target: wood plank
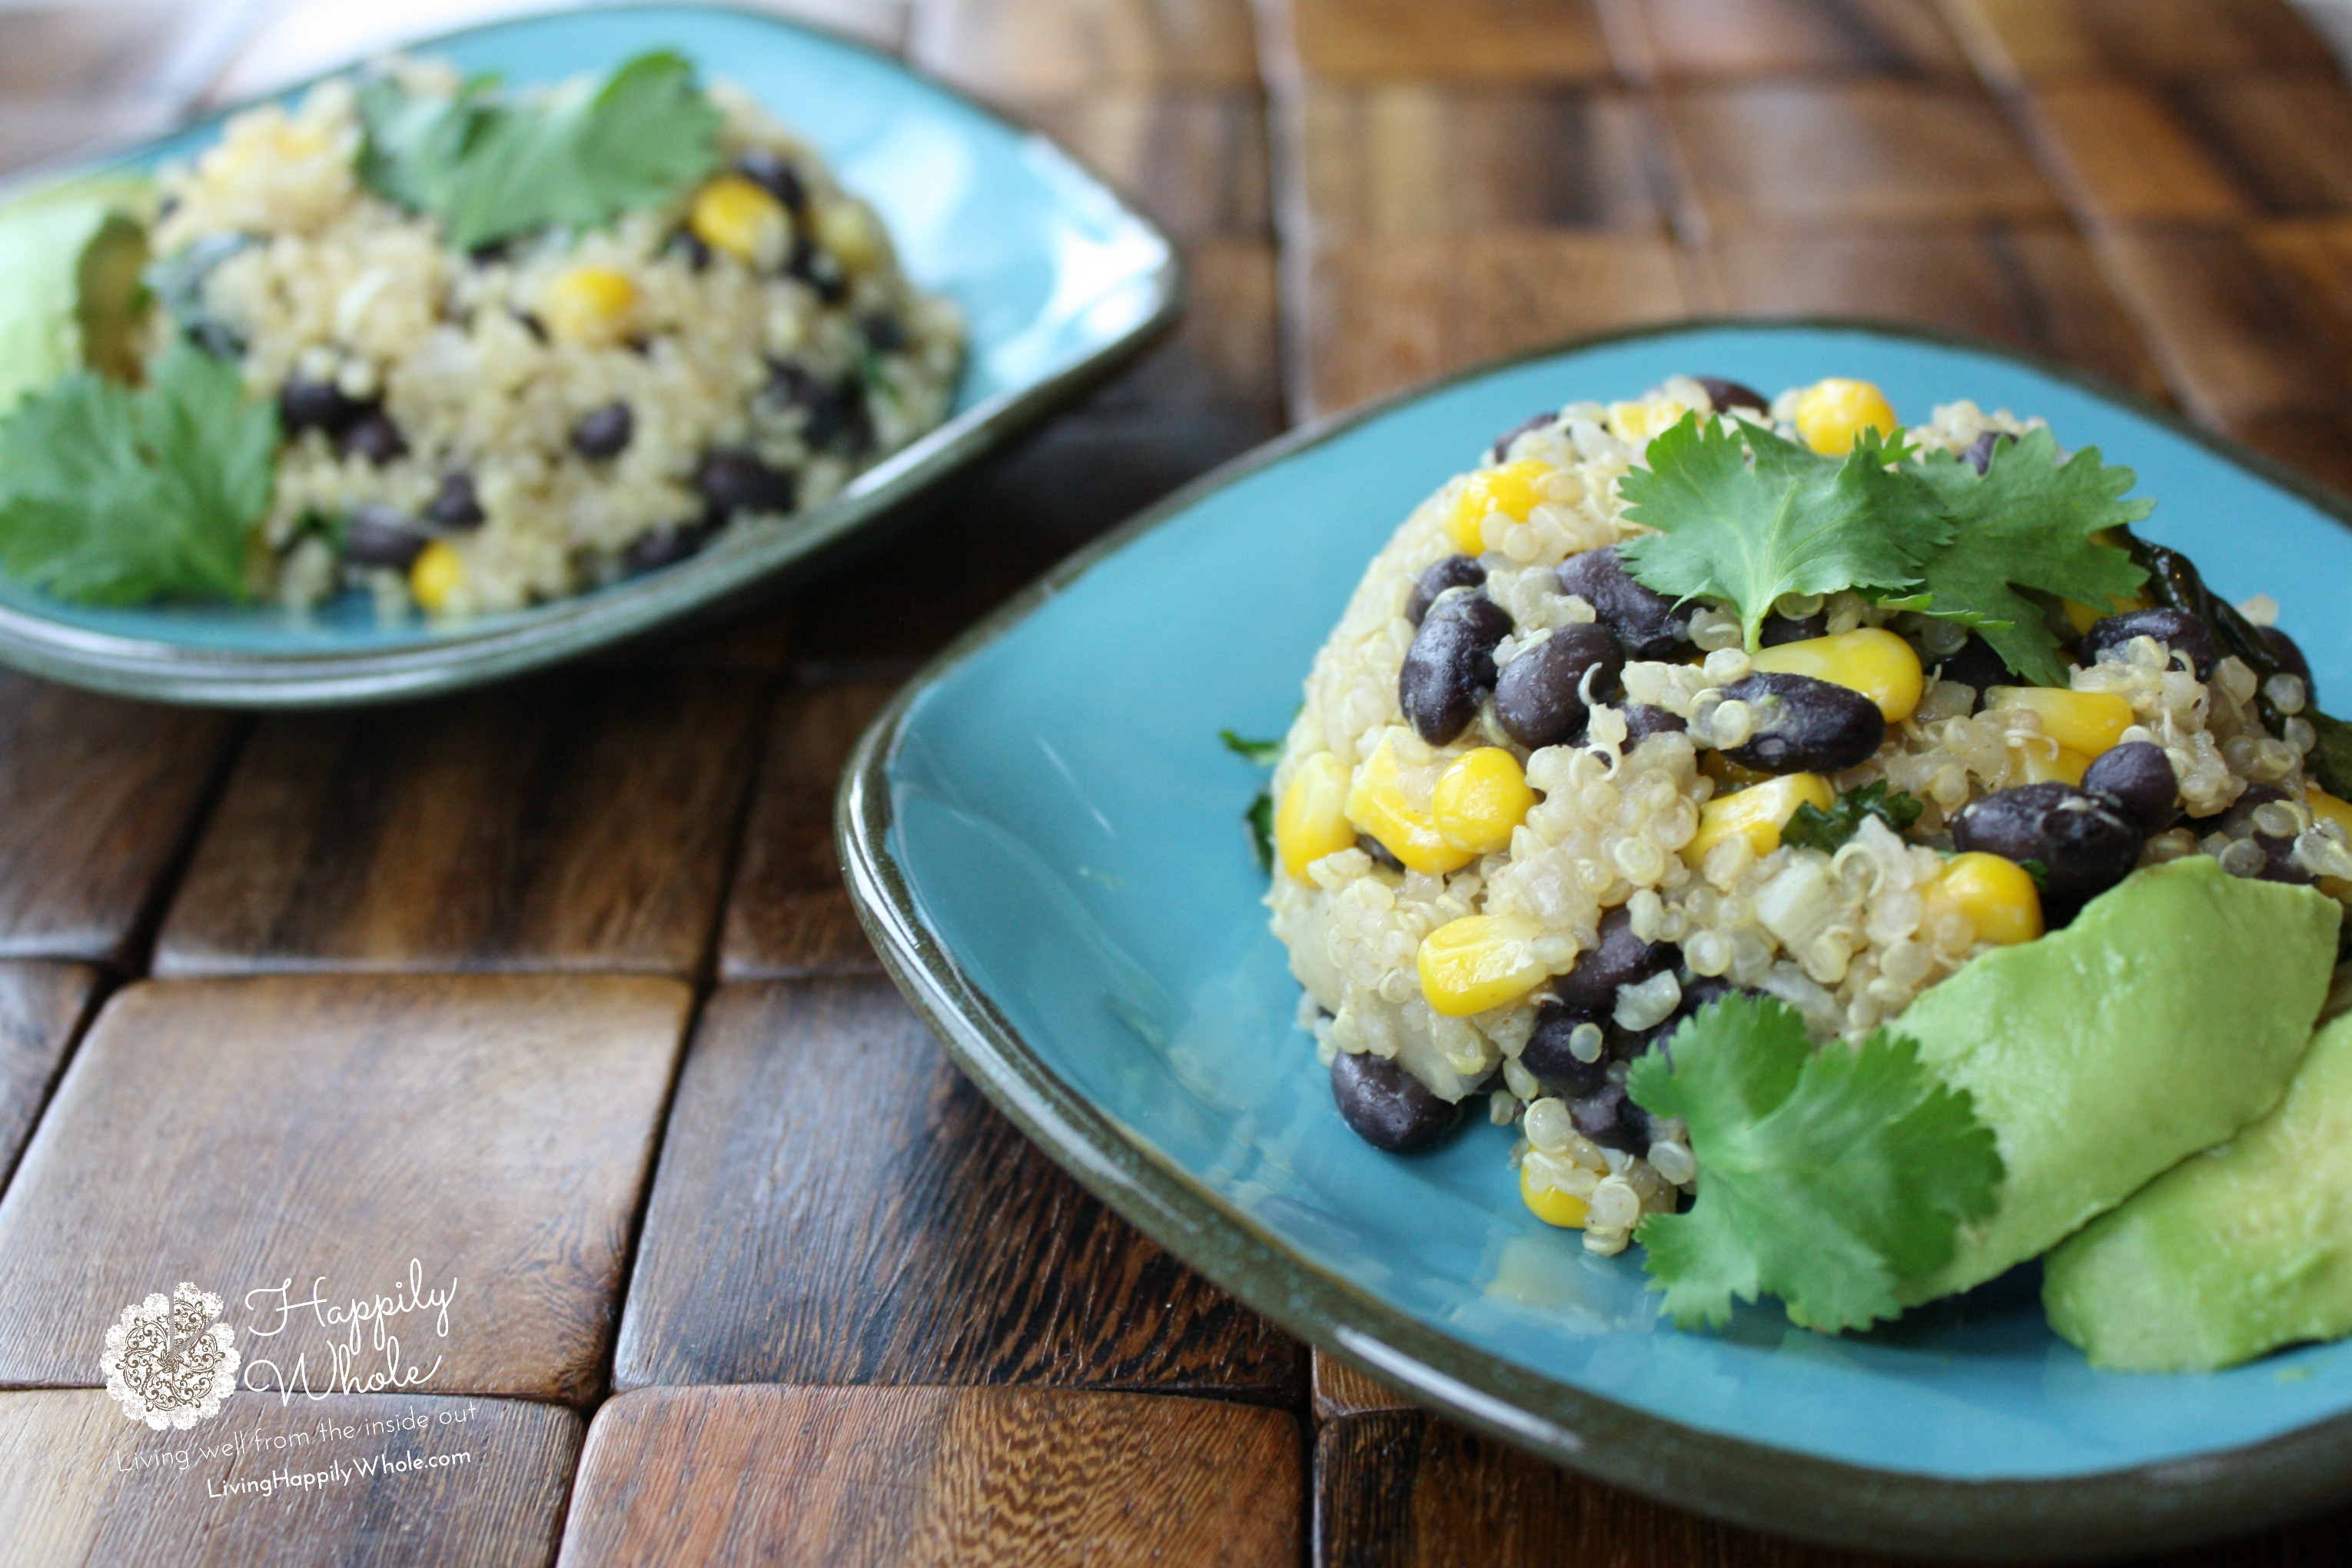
(239, 1134)
(84, 1486)
(836, 1205)
(2286, 137)
(2316, 442)
(578, 822)
(1701, 39)
(1378, 316)
(1801, 155)
(974, 1476)
(2125, 156)
(96, 798)
(1342, 1390)
(41, 1009)
(1466, 40)
(2036, 286)
(1194, 159)
(788, 914)
(2014, 41)
(1020, 52)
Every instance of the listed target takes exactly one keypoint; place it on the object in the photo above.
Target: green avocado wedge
(2232, 1252)
(2170, 1014)
(69, 283)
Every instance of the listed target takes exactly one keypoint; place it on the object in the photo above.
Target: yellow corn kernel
(2085, 722)
(1996, 895)
(592, 305)
(1312, 820)
(1480, 798)
(743, 218)
(846, 228)
(2083, 618)
(2039, 763)
(2327, 808)
(1871, 660)
(1639, 421)
(1511, 489)
(435, 574)
(1831, 415)
(1550, 1205)
(1477, 961)
(1377, 804)
(1758, 812)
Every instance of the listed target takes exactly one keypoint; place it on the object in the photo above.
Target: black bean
(531, 323)
(2177, 630)
(305, 405)
(373, 435)
(687, 244)
(1610, 1118)
(1698, 990)
(1502, 448)
(883, 333)
(1804, 725)
(1778, 629)
(2290, 658)
(1727, 395)
(1454, 572)
(1546, 1053)
(455, 506)
(836, 414)
(1451, 665)
(775, 175)
(736, 481)
(1540, 699)
(604, 432)
(2085, 843)
(1647, 625)
(1388, 1106)
(664, 547)
(2278, 852)
(1977, 665)
(818, 270)
(1379, 852)
(1979, 453)
(1620, 959)
(2138, 776)
(381, 536)
(1641, 720)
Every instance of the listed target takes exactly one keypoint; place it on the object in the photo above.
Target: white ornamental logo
(167, 1362)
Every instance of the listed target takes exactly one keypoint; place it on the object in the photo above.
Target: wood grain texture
(1464, 40)
(2286, 137)
(835, 1204)
(1342, 1390)
(1020, 52)
(1705, 40)
(1866, 151)
(2125, 156)
(1405, 1490)
(2036, 286)
(41, 1008)
(239, 1134)
(787, 913)
(984, 1478)
(2016, 40)
(97, 799)
(582, 822)
(82, 1486)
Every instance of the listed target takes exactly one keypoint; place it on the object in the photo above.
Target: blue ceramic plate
(1059, 282)
(1044, 837)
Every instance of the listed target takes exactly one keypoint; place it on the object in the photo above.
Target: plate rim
(195, 674)
(2170, 1503)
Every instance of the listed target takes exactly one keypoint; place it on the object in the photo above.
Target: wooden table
(554, 988)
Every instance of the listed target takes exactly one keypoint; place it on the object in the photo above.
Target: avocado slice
(2232, 1252)
(2170, 1014)
(69, 289)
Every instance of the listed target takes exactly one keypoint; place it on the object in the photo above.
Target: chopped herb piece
(1745, 531)
(2039, 873)
(1813, 828)
(111, 496)
(2028, 521)
(1260, 817)
(1825, 1177)
(492, 167)
(1259, 754)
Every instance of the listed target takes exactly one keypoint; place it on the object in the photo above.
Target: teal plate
(1059, 282)
(1042, 835)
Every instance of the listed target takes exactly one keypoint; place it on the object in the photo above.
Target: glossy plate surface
(1044, 835)
(1057, 279)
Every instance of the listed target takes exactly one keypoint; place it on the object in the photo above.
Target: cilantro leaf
(1813, 828)
(2029, 522)
(1789, 521)
(1260, 818)
(1259, 754)
(491, 167)
(1826, 1178)
(110, 496)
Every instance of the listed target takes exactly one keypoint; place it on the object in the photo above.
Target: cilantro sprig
(1813, 828)
(491, 166)
(1744, 517)
(1259, 818)
(1826, 1177)
(111, 496)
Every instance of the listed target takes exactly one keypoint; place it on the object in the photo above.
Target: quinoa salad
(455, 347)
(1711, 787)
